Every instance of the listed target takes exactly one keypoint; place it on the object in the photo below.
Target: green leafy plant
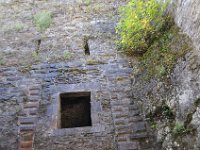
(161, 112)
(43, 20)
(119, 78)
(67, 55)
(179, 129)
(154, 125)
(2, 61)
(87, 2)
(167, 112)
(35, 55)
(161, 56)
(140, 22)
(92, 61)
(197, 102)
(19, 27)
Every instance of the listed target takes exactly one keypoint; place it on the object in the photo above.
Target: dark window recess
(75, 110)
(86, 46)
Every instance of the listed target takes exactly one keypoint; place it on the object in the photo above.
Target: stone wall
(28, 119)
(30, 86)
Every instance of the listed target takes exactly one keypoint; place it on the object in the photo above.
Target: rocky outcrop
(187, 16)
(172, 106)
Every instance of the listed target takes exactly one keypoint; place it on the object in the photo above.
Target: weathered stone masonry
(116, 123)
(29, 113)
(29, 96)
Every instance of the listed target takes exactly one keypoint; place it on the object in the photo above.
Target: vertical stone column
(28, 116)
(130, 128)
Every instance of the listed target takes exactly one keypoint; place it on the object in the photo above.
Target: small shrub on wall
(145, 28)
(140, 23)
(43, 20)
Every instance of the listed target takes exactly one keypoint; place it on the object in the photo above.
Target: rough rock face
(186, 73)
(180, 91)
(187, 16)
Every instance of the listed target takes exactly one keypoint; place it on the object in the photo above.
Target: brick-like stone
(133, 107)
(123, 129)
(120, 115)
(135, 119)
(122, 139)
(26, 127)
(134, 113)
(26, 144)
(128, 146)
(139, 136)
(28, 148)
(22, 113)
(35, 87)
(119, 109)
(34, 93)
(31, 111)
(34, 98)
(26, 135)
(139, 127)
(124, 102)
(31, 105)
(27, 120)
(119, 122)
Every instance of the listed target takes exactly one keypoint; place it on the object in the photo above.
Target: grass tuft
(43, 20)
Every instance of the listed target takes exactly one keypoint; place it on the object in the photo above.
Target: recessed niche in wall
(75, 110)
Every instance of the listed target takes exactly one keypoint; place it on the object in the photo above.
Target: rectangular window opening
(75, 110)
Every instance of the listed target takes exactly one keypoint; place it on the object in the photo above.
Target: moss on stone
(93, 62)
(120, 78)
(180, 129)
(166, 49)
(197, 102)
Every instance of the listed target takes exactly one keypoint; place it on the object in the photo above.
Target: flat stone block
(26, 135)
(26, 144)
(31, 105)
(120, 115)
(135, 119)
(27, 120)
(31, 111)
(28, 148)
(96, 107)
(119, 122)
(139, 127)
(139, 136)
(122, 139)
(134, 113)
(123, 129)
(34, 92)
(27, 127)
(35, 87)
(128, 146)
(34, 98)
